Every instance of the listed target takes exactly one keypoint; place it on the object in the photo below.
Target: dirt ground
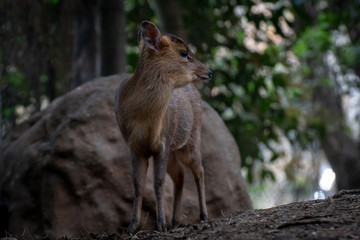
(337, 217)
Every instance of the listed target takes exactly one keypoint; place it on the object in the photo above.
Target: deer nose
(209, 72)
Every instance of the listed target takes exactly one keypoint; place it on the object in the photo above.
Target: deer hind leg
(176, 172)
(160, 166)
(140, 166)
(197, 170)
(193, 161)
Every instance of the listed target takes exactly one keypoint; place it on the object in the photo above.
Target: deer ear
(150, 35)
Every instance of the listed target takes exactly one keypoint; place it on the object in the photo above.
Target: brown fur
(159, 114)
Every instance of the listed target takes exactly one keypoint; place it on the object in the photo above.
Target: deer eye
(184, 53)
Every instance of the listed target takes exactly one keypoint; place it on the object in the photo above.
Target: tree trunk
(113, 37)
(2, 66)
(87, 43)
(169, 13)
(342, 151)
(51, 90)
(343, 154)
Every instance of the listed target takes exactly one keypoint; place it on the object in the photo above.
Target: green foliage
(252, 88)
(313, 40)
(15, 91)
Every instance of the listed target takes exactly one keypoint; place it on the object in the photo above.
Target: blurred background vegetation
(286, 75)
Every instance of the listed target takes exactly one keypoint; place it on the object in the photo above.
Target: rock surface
(67, 170)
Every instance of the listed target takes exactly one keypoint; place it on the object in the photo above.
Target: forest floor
(337, 217)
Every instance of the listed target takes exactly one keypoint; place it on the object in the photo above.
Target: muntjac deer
(158, 110)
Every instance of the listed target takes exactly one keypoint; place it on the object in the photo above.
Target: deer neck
(149, 95)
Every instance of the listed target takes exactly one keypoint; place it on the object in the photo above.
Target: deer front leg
(160, 165)
(140, 166)
(176, 172)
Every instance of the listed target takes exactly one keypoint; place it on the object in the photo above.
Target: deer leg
(160, 165)
(197, 170)
(176, 172)
(140, 166)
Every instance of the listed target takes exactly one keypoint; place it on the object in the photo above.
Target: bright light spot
(271, 34)
(319, 195)
(215, 91)
(285, 28)
(289, 15)
(327, 179)
(228, 114)
(254, 46)
(240, 11)
(262, 8)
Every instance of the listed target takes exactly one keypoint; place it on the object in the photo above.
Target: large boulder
(67, 170)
